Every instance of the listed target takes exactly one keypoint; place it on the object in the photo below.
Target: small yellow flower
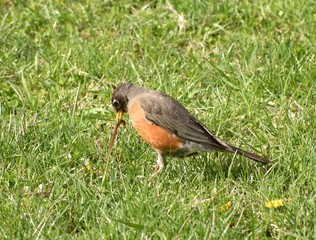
(89, 167)
(226, 206)
(277, 203)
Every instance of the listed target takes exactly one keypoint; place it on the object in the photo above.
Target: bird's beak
(119, 115)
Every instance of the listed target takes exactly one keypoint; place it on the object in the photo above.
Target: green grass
(246, 70)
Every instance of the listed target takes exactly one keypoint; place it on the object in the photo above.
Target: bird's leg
(161, 164)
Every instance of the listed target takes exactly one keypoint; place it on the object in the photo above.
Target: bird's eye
(116, 104)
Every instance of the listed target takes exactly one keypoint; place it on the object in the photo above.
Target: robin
(167, 126)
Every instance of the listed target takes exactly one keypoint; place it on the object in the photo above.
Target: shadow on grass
(215, 165)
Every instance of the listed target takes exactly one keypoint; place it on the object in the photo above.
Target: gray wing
(166, 112)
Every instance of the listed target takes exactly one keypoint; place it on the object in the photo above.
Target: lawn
(245, 69)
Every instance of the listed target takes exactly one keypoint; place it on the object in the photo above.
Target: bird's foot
(158, 169)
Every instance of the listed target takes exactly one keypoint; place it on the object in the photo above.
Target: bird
(167, 126)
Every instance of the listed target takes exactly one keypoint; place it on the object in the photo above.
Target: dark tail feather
(252, 156)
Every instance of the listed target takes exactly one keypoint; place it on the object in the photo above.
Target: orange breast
(156, 136)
